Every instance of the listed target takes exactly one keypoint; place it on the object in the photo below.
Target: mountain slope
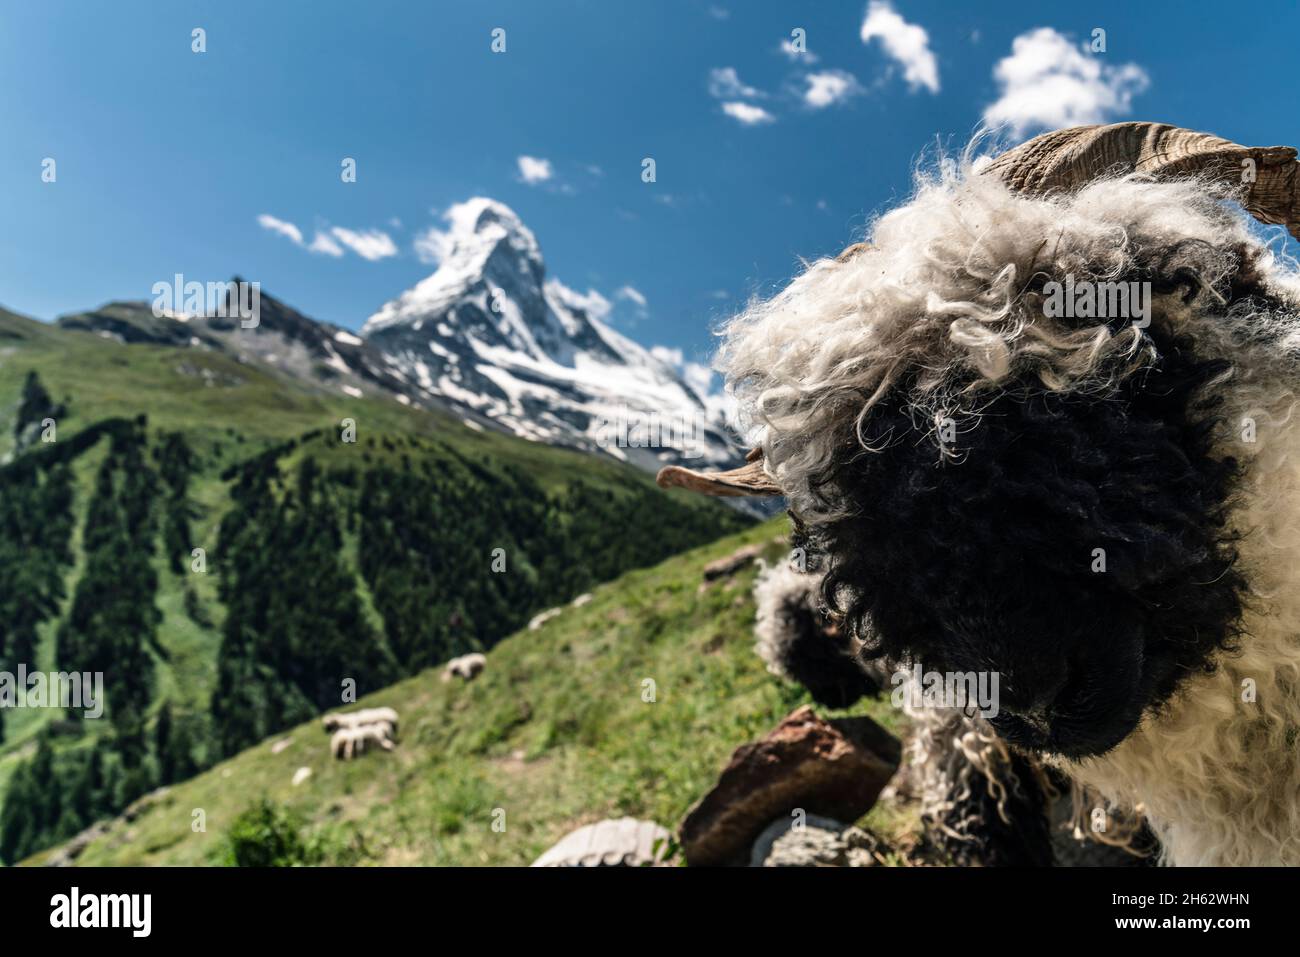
(170, 442)
(556, 733)
(490, 331)
(322, 356)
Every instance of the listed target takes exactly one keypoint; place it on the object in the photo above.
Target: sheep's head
(997, 479)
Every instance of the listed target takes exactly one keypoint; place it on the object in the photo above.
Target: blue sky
(167, 158)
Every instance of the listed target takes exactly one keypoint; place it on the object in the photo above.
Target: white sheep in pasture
(347, 743)
(467, 667)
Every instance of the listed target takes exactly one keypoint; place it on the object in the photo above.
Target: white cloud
(370, 245)
(829, 87)
(798, 56)
(433, 245)
(286, 229)
(905, 42)
(1047, 82)
(747, 113)
(321, 243)
(632, 294)
(534, 169)
(725, 84)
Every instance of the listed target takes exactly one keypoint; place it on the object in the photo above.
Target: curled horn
(749, 479)
(1266, 179)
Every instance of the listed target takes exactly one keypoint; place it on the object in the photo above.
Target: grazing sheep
(467, 667)
(347, 743)
(332, 722)
(542, 618)
(1045, 425)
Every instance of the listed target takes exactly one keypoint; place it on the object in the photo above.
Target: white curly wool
(940, 293)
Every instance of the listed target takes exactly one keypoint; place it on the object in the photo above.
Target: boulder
(814, 842)
(834, 769)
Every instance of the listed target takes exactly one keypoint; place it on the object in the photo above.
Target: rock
(67, 855)
(835, 769)
(722, 567)
(581, 600)
(142, 804)
(302, 774)
(625, 842)
(280, 745)
(816, 842)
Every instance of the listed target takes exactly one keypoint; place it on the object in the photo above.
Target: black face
(989, 561)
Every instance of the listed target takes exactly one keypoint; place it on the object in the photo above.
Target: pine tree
(163, 744)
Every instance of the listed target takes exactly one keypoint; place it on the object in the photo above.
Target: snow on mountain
(490, 332)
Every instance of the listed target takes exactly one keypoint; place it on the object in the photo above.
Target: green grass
(555, 733)
(252, 409)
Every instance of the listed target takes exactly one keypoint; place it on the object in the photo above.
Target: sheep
(542, 618)
(346, 743)
(1043, 425)
(467, 667)
(332, 722)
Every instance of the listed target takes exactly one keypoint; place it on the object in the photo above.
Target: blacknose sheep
(466, 667)
(347, 743)
(354, 719)
(1044, 424)
(982, 802)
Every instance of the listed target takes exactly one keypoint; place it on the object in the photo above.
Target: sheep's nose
(1040, 718)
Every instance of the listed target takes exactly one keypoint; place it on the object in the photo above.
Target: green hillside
(324, 560)
(555, 733)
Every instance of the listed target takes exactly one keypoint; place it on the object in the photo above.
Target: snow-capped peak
(479, 231)
(488, 330)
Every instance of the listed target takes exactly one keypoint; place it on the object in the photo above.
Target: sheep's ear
(749, 479)
(1266, 178)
